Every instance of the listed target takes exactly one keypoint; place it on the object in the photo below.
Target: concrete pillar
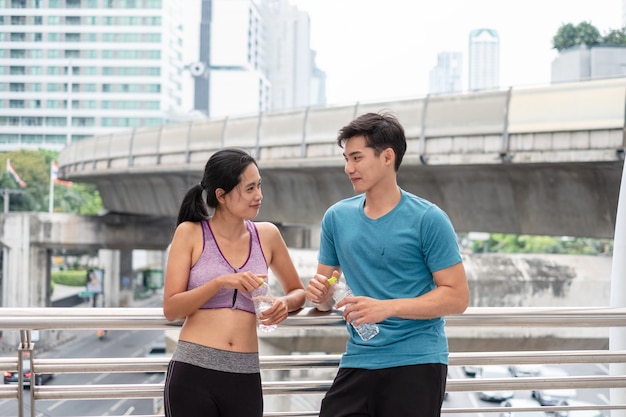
(110, 261)
(126, 278)
(117, 265)
(617, 335)
(25, 268)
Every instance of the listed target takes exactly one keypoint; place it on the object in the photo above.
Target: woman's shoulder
(188, 228)
(266, 228)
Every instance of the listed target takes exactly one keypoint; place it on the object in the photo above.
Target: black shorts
(407, 391)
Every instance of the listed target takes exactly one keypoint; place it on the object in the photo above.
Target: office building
(318, 84)
(484, 60)
(446, 76)
(258, 59)
(238, 83)
(289, 66)
(71, 69)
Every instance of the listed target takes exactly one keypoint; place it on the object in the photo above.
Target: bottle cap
(333, 279)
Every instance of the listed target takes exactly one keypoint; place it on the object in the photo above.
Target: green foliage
(33, 168)
(507, 243)
(568, 36)
(588, 34)
(73, 278)
(615, 37)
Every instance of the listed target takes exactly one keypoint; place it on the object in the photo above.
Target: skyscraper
(259, 58)
(289, 66)
(71, 69)
(238, 81)
(484, 60)
(446, 76)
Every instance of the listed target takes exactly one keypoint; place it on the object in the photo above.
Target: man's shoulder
(350, 202)
(411, 198)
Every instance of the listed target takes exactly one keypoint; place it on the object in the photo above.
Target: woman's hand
(242, 281)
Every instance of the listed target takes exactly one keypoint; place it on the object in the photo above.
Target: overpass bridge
(544, 160)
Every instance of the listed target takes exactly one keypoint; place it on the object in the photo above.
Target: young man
(399, 255)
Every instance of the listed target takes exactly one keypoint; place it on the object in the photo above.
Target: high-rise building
(71, 69)
(289, 66)
(484, 60)
(259, 58)
(446, 76)
(318, 84)
(238, 68)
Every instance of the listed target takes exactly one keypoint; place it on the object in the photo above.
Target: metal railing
(27, 319)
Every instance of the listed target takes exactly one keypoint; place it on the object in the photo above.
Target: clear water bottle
(341, 291)
(263, 300)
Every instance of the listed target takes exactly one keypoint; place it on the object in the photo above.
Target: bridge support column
(25, 268)
(617, 335)
(117, 264)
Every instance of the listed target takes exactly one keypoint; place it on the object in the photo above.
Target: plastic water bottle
(263, 300)
(341, 291)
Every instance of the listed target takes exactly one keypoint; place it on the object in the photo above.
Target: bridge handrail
(127, 318)
(27, 319)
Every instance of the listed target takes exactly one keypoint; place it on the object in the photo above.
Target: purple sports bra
(212, 264)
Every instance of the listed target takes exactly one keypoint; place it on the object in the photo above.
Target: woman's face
(245, 199)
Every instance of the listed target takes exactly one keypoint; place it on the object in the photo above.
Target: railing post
(617, 335)
(25, 349)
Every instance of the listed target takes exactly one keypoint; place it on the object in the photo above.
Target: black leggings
(193, 391)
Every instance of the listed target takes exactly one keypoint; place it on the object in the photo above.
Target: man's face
(364, 168)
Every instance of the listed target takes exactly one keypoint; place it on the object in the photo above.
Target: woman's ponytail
(193, 208)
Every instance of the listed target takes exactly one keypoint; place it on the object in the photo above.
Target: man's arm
(450, 297)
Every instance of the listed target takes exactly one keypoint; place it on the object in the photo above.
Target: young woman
(215, 261)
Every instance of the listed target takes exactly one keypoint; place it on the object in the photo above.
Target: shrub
(72, 278)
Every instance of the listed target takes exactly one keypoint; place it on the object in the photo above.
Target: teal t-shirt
(387, 258)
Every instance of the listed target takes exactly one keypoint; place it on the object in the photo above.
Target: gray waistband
(216, 359)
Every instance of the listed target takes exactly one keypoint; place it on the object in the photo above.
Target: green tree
(588, 34)
(509, 243)
(615, 37)
(33, 168)
(566, 37)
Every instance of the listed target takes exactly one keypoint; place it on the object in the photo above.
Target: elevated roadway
(545, 160)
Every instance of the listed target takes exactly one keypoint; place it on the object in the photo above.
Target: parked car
(157, 351)
(553, 396)
(495, 371)
(522, 402)
(525, 370)
(471, 370)
(578, 413)
(13, 377)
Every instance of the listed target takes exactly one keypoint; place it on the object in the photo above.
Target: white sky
(373, 50)
(384, 49)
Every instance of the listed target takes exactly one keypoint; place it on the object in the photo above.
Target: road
(470, 399)
(117, 343)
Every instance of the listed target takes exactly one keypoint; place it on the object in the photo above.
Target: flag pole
(51, 193)
(6, 192)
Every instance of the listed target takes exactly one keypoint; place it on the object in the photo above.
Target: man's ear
(389, 155)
